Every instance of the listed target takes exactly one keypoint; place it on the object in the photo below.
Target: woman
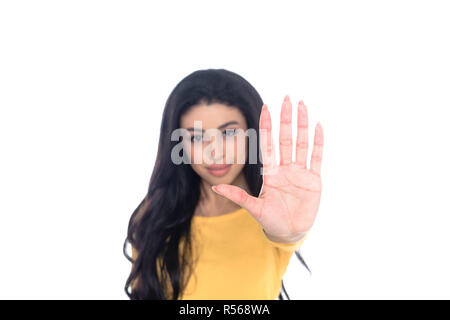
(211, 227)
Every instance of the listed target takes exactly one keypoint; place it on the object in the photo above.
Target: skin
(212, 117)
(289, 200)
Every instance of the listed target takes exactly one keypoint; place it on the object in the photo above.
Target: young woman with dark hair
(224, 227)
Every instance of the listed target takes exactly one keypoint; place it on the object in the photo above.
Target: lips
(218, 169)
(217, 166)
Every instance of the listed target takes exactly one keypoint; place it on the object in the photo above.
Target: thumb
(252, 204)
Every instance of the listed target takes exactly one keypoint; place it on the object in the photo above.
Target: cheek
(194, 152)
(235, 171)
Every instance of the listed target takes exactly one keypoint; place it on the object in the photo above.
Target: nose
(216, 158)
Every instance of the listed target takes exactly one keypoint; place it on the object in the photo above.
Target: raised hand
(289, 200)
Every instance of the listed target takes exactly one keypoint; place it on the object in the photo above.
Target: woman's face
(221, 160)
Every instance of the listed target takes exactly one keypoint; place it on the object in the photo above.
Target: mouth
(219, 170)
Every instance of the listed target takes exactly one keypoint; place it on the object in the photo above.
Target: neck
(213, 204)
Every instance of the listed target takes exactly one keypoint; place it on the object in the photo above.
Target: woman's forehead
(212, 116)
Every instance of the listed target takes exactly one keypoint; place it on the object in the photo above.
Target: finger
(265, 130)
(286, 132)
(252, 204)
(302, 135)
(316, 156)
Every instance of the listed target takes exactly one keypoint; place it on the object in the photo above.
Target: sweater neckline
(221, 217)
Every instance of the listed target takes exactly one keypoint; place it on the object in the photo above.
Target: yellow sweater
(235, 259)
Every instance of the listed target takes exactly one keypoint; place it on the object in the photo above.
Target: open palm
(289, 199)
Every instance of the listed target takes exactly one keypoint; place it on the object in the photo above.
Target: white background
(82, 89)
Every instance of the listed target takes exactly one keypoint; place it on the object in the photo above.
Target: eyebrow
(220, 127)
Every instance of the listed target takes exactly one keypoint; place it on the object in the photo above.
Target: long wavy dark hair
(163, 218)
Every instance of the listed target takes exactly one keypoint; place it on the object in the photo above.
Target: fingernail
(304, 106)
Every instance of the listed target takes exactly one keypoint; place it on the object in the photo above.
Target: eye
(230, 132)
(196, 138)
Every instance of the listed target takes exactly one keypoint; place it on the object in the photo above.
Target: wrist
(291, 239)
